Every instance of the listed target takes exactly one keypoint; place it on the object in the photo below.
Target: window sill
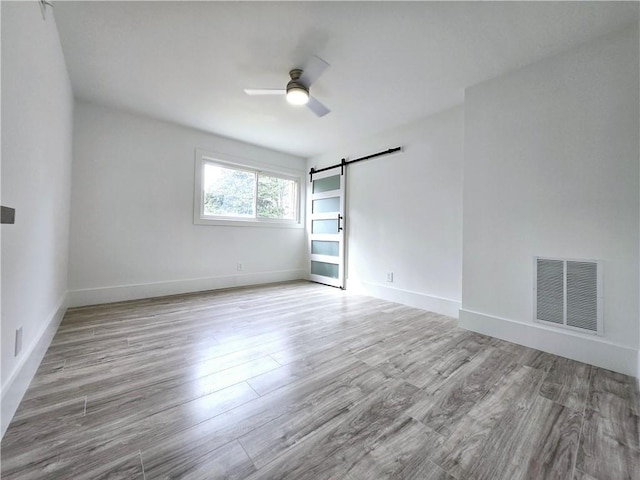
(247, 223)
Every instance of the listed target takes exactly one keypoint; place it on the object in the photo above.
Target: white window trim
(199, 218)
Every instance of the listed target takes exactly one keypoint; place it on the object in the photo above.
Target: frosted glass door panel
(324, 226)
(326, 184)
(326, 205)
(325, 269)
(320, 247)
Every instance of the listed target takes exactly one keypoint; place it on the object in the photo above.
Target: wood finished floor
(301, 381)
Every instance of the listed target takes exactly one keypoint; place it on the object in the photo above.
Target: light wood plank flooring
(301, 381)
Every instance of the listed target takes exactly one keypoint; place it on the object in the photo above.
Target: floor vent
(568, 294)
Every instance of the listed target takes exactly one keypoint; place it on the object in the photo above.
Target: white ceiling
(391, 62)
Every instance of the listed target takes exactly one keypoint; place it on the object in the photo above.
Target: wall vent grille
(567, 294)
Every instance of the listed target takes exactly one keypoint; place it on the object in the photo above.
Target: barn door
(326, 239)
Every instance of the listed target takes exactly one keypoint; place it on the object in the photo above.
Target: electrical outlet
(240, 267)
(18, 345)
(390, 277)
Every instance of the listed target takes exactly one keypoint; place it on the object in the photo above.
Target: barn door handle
(339, 226)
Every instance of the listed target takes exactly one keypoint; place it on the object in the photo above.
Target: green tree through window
(230, 192)
(276, 197)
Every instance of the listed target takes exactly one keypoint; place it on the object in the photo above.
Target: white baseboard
(19, 380)
(96, 296)
(443, 306)
(576, 346)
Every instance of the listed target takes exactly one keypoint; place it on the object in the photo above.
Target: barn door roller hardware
(8, 215)
(43, 8)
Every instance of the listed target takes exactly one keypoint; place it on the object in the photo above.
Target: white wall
(37, 107)
(404, 213)
(132, 230)
(551, 169)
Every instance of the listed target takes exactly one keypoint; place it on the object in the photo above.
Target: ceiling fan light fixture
(297, 95)
(297, 91)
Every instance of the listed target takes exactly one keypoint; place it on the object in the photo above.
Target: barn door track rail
(343, 163)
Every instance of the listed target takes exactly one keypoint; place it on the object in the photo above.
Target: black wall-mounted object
(8, 214)
(343, 163)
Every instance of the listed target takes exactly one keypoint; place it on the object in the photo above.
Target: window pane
(228, 192)
(324, 226)
(326, 205)
(326, 184)
(324, 248)
(324, 269)
(276, 197)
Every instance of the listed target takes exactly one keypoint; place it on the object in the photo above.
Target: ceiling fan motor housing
(294, 83)
(297, 93)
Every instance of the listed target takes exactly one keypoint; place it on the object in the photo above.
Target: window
(236, 192)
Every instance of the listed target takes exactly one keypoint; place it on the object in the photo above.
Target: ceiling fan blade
(316, 107)
(265, 91)
(312, 71)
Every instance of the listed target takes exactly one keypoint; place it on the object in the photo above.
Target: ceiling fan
(297, 90)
